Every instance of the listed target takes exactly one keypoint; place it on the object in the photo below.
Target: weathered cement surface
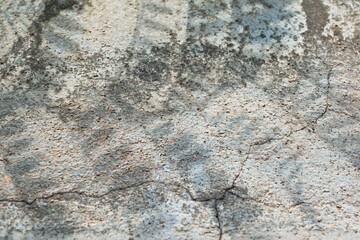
(169, 119)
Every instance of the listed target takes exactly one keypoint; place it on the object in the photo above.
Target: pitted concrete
(154, 119)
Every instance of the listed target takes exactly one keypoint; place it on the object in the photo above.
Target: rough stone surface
(169, 119)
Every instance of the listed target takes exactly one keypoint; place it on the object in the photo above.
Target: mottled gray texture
(168, 119)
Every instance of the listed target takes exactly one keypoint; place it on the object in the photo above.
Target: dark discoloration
(316, 18)
(9, 128)
(238, 214)
(40, 58)
(123, 166)
(21, 167)
(142, 71)
(30, 93)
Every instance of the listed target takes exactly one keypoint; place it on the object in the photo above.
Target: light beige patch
(6, 180)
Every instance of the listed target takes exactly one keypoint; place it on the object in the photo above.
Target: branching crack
(225, 191)
(84, 194)
(259, 143)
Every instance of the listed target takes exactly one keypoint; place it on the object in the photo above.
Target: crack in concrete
(327, 98)
(355, 117)
(259, 143)
(80, 193)
(296, 204)
(322, 114)
(218, 218)
(215, 199)
(232, 186)
(222, 197)
(312, 123)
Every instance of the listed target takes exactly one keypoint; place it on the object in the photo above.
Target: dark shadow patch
(124, 167)
(239, 215)
(316, 18)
